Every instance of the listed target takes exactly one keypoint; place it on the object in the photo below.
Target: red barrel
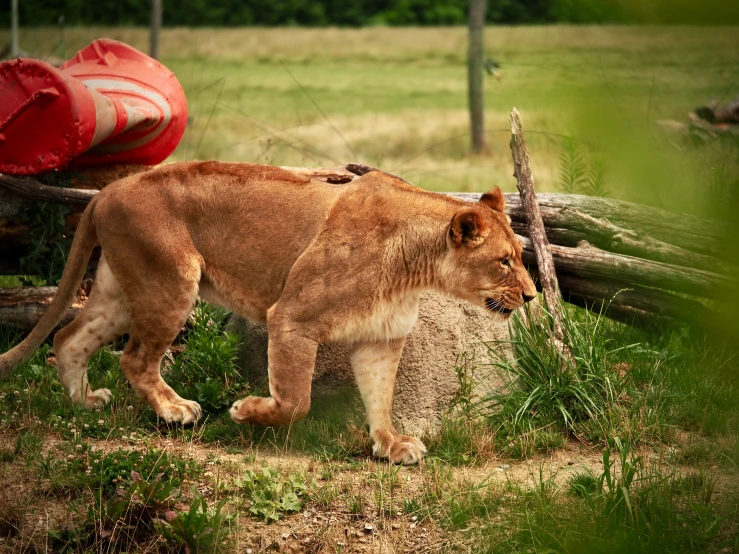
(109, 104)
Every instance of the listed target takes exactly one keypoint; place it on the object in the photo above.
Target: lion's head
(484, 258)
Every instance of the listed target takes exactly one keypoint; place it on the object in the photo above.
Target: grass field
(653, 469)
(637, 450)
(396, 98)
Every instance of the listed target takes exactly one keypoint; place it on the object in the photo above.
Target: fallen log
(629, 228)
(578, 249)
(587, 261)
(612, 293)
(572, 226)
(686, 231)
(22, 307)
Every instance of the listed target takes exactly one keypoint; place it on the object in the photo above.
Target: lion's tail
(84, 241)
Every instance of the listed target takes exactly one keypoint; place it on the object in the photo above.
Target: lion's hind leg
(375, 366)
(141, 362)
(160, 304)
(104, 318)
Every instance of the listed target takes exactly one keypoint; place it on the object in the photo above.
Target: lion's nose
(527, 298)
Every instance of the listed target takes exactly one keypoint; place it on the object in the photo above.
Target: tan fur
(316, 262)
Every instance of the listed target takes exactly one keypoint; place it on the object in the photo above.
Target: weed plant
(199, 530)
(272, 493)
(143, 513)
(207, 370)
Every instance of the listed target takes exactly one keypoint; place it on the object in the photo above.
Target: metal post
(156, 24)
(15, 50)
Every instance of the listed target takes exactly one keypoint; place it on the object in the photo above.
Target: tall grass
(640, 385)
(552, 388)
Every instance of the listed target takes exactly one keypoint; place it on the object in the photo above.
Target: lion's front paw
(254, 409)
(400, 449)
(180, 411)
(98, 397)
(241, 411)
(267, 411)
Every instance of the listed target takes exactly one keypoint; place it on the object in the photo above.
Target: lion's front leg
(375, 366)
(291, 360)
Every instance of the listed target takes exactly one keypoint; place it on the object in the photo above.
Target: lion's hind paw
(181, 411)
(99, 397)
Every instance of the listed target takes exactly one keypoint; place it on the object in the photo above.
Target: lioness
(316, 262)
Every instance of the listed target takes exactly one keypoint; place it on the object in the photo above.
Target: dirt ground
(326, 524)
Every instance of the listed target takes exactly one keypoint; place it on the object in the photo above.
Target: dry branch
(31, 189)
(535, 225)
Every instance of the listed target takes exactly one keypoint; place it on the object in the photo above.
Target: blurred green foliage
(355, 13)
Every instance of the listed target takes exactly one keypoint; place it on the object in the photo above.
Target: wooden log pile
(634, 261)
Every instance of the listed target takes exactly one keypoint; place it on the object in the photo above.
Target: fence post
(476, 53)
(156, 24)
(15, 50)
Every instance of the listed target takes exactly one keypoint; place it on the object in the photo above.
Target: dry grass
(397, 97)
(392, 44)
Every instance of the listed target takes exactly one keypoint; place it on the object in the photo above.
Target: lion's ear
(494, 199)
(469, 228)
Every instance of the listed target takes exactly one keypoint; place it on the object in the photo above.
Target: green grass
(658, 380)
(646, 387)
(629, 506)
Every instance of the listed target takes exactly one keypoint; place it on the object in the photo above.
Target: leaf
(291, 502)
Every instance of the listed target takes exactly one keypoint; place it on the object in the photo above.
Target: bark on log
(590, 262)
(22, 307)
(613, 293)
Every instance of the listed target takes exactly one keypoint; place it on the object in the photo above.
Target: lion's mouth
(497, 306)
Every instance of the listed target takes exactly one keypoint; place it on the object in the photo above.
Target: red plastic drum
(109, 104)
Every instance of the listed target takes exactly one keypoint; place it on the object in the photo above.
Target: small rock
(505, 466)
(395, 526)
(249, 551)
(414, 518)
(368, 528)
(285, 536)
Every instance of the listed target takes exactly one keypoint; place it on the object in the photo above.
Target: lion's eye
(506, 262)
